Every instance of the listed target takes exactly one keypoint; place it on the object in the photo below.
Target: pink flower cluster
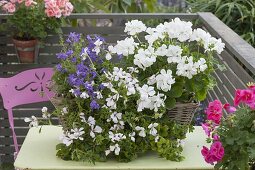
(214, 116)
(57, 8)
(246, 96)
(214, 154)
(53, 8)
(10, 6)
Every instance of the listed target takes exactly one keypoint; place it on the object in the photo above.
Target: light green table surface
(38, 153)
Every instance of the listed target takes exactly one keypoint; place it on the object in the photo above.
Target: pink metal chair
(26, 87)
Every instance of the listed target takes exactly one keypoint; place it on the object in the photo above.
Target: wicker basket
(183, 112)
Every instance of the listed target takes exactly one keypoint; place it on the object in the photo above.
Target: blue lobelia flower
(73, 37)
(101, 87)
(69, 52)
(77, 92)
(60, 68)
(94, 105)
(62, 56)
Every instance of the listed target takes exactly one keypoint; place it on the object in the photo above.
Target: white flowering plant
(119, 109)
(174, 60)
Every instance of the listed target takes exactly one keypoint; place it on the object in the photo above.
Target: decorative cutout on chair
(32, 82)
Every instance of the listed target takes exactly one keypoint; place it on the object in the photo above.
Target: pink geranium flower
(207, 129)
(214, 111)
(28, 3)
(228, 108)
(216, 137)
(217, 150)
(245, 96)
(9, 7)
(214, 154)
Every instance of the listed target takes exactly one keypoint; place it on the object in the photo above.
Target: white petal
(98, 129)
(117, 150)
(107, 152)
(27, 119)
(112, 148)
(92, 134)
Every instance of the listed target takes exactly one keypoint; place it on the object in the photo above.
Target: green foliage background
(239, 15)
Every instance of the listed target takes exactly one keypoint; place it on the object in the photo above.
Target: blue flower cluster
(87, 62)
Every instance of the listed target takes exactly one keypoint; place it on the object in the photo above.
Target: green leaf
(176, 90)
(170, 102)
(201, 94)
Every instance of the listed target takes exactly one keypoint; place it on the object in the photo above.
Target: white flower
(132, 136)
(84, 95)
(162, 51)
(165, 80)
(157, 101)
(108, 56)
(151, 38)
(66, 139)
(91, 121)
(134, 27)
(118, 126)
(116, 137)
(156, 139)
(153, 130)
(64, 110)
(84, 54)
(77, 133)
(146, 91)
(214, 45)
(116, 117)
(126, 46)
(201, 65)
(44, 109)
(72, 91)
(123, 78)
(152, 80)
(33, 121)
(107, 152)
(181, 30)
(115, 148)
(98, 94)
(145, 101)
(173, 53)
(148, 99)
(141, 131)
(98, 43)
(186, 67)
(82, 116)
(45, 113)
(145, 58)
(111, 101)
(155, 34)
(200, 35)
(111, 49)
(95, 129)
(133, 70)
(180, 143)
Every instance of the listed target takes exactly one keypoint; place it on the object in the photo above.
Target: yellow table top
(38, 153)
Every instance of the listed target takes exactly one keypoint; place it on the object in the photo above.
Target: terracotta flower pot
(26, 51)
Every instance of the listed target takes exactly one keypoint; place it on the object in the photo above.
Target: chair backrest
(26, 87)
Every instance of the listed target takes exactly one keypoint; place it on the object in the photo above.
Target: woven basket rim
(178, 104)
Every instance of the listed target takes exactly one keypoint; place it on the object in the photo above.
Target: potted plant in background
(31, 22)
(232, 136)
